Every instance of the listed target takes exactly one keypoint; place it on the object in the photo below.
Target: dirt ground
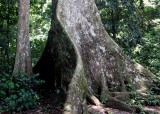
(52, 103)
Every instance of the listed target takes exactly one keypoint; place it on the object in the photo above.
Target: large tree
(23, 56)
(99, 70)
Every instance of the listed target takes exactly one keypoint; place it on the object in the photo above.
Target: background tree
(8, 34)
(39, 26)
(23, 56)
(17, 88)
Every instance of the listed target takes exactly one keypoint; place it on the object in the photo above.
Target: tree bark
(100, 61)
(56, 60)
(100, 67)
(23, 56)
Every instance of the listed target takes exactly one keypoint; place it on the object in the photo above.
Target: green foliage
(135, 27)
(17, 92)
(151, 99)
(129, 87)
(40, 19)
(8, 33)
(136, 99)
(37, 47)
(39, 26)
(104, 100)
(148, 53)
(121, 21)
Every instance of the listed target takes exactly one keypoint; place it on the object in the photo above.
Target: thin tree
(23, 56)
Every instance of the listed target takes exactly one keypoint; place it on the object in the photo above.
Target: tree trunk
(101, 67)
(56, 56)
(23, 56)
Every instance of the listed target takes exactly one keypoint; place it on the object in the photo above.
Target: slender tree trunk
(23, 56)
(113, 24)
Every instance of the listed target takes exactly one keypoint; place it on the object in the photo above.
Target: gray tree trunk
(101, 69)
(23, 56)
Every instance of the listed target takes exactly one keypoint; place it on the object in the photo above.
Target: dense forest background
(133, 24)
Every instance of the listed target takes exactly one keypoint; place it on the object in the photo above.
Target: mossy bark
(100, 67)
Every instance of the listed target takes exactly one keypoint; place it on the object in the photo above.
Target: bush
(17, 92)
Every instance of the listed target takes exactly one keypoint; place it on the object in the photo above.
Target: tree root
(144, 95)
(125, 96)
(145, 72)
(113, 102)
(94, 100)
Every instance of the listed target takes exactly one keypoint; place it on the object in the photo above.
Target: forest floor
(52, 103)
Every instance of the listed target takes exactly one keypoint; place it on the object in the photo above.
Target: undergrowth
(17, 92)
